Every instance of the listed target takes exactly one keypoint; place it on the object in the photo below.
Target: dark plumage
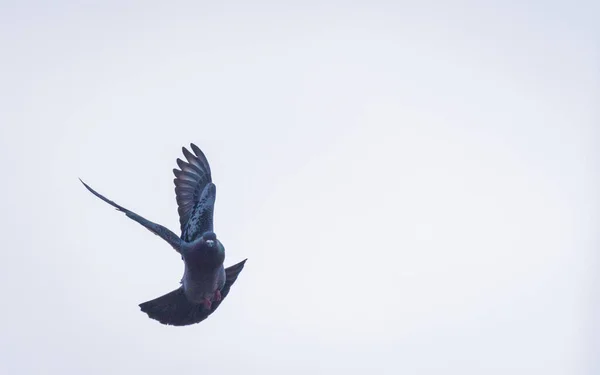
(205, 281)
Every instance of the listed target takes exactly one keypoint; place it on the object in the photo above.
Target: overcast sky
(415, 186)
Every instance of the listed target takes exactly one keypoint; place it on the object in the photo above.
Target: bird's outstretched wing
(157, 229)
(174, 308)
(195, 194)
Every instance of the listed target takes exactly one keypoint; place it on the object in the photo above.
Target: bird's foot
(207, 303)
(218, 296)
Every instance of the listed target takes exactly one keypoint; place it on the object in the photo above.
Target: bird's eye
(210, 243)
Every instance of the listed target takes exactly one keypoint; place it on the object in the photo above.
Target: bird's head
(208, 239)
(207, 249)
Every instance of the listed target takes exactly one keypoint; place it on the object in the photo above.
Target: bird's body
(204, 273)
(205, 280)
(200, 286)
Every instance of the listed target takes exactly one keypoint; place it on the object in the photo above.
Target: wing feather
(195, 193)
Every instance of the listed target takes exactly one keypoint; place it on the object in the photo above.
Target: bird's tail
(175, 309)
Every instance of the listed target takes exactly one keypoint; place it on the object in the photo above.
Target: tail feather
(175, 309)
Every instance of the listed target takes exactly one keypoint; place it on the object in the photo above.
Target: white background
(414, 185)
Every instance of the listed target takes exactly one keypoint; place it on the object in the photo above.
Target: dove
(205, 282)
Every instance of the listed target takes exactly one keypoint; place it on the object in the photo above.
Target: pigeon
(206, 282)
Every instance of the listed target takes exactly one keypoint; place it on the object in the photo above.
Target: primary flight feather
(206, 282)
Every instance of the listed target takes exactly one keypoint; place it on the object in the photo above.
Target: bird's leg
(207, 304)
(217, 295)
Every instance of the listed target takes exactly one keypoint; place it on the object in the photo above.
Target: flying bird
(206, 282)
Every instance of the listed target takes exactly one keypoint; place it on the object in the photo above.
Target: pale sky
(414, 185)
